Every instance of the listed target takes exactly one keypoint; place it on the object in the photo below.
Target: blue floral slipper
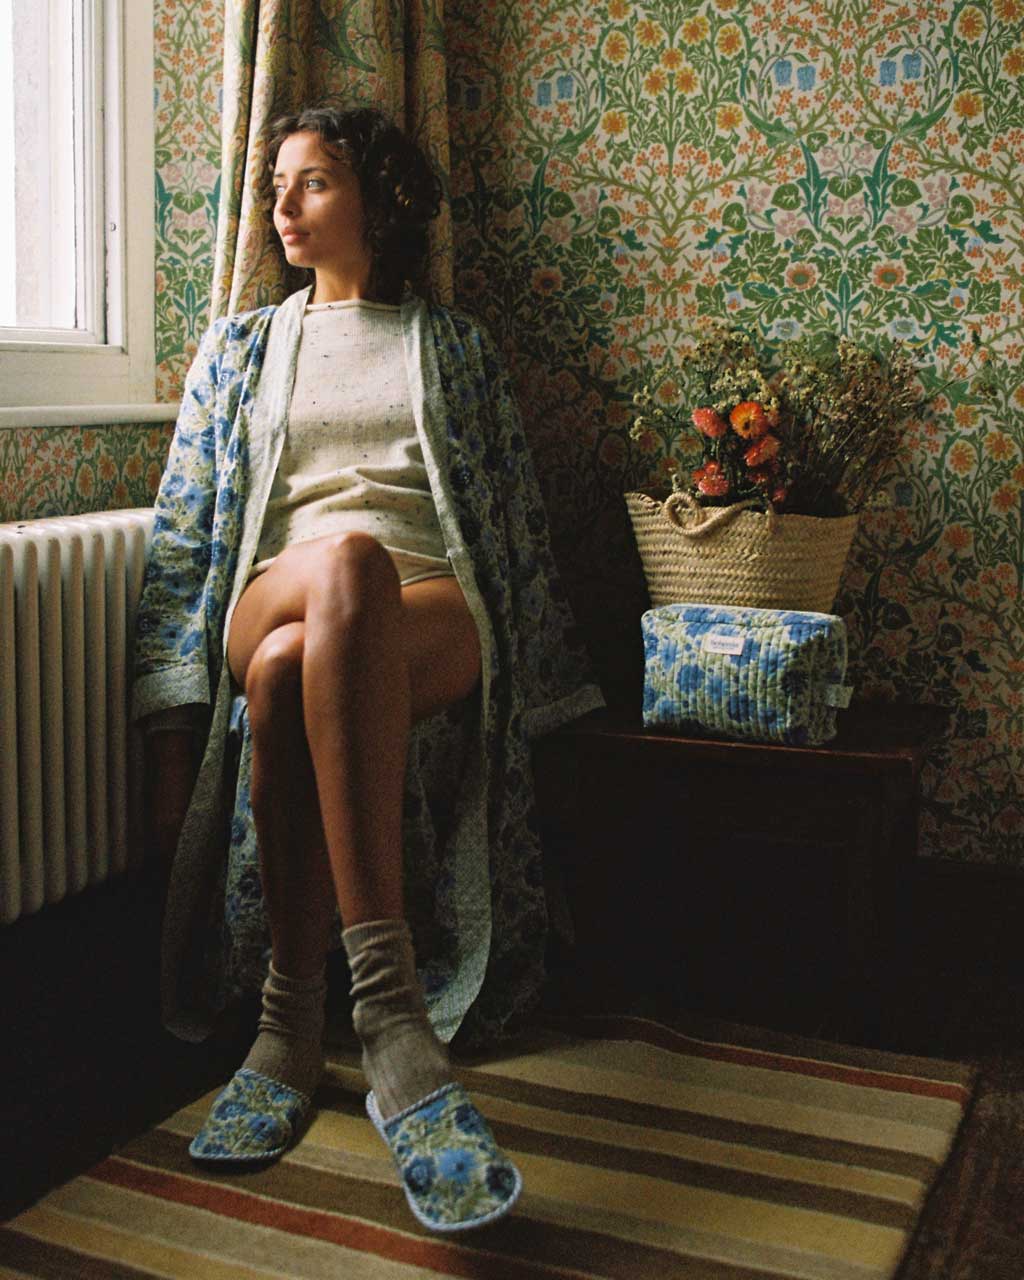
(453, 1173)
(253, 1119)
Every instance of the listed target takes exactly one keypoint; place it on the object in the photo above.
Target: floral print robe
(471, 852)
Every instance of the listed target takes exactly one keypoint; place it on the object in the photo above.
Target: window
(76, 212)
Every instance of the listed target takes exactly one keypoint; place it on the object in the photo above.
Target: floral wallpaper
(188, 57)
(621, 168)
(52, 471)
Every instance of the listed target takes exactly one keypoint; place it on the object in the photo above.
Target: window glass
(44, 237)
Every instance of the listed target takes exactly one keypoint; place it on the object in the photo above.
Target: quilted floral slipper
(253, 1119)
(453, 1173)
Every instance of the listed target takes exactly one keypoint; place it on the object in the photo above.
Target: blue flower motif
(805, 78)
(455, 1165)
(911, 66)
(469, 1120)
(887, 71)
(420, 1174)
(783, 72)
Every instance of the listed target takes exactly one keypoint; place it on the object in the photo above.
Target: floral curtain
(281, 55)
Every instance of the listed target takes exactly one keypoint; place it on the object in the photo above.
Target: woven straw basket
(731, 555)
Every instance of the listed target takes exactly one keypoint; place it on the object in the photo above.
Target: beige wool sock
(289, 1046)
(402, 1057)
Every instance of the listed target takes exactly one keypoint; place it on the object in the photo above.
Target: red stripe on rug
(653, 1033)
(332, 1228)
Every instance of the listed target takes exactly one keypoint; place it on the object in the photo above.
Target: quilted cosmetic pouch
(770, 675)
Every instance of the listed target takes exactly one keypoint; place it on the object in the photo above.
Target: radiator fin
(70, 765)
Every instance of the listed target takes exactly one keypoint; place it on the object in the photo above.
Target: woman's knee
(356, 578)
(273, 679)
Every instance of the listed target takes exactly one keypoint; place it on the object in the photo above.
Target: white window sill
(86, 415)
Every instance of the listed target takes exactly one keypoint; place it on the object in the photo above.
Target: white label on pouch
(719, 642)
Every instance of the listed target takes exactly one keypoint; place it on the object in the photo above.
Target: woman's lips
(290, 236)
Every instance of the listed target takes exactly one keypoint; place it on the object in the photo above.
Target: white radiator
(70, 766)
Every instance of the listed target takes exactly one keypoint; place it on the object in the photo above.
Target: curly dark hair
(401, 193)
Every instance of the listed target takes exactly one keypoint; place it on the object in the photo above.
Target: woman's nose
(287, 198)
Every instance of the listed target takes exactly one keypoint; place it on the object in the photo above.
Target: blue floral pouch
(770, 675)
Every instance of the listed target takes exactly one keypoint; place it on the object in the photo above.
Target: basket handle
(710, 520)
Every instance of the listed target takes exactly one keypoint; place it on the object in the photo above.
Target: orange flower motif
(614, 122)
(961, 458)
(889, 275)
(711, 481)
(730, 40)
(1005, 498)
(649, 34)
(655, 82)
(1009, 10)
(696, 29)
(801, 275)
(709, 423)
(762, 451)
(999, 445)
(967, 105)
(958, 537)
(1013, 63)
(615, 47)
(672, 59)
(749, 420)
(728, 118)
(972, 23)
(618, 9)
(547, 280)
(686, 80)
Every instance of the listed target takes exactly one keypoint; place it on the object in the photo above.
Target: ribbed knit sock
(403, 1060)
(289, 1046)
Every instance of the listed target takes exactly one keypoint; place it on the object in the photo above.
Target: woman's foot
(453, 1173)
(265, 1106)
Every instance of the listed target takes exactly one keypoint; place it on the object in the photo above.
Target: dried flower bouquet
(810, 428)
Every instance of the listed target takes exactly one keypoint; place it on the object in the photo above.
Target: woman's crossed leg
(337, 661)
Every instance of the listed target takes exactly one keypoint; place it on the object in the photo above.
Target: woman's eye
(315, 183)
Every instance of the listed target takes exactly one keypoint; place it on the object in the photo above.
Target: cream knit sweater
(351, 458)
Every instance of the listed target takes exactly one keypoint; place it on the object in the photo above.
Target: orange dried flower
(709, 423)
(711, 480)
(762, 451)
(749, 420)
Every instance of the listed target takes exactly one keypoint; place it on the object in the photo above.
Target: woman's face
(318, 210)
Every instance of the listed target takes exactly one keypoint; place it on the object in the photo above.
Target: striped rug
(646, 1151)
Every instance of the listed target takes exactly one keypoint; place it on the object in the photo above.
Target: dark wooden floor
(84, 1063)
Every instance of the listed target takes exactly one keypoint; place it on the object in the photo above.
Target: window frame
(49, 369)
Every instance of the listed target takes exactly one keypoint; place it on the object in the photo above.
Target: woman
(350, 582)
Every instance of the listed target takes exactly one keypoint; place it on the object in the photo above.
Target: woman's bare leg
(293, 855)
(337, 661)
(370, 658)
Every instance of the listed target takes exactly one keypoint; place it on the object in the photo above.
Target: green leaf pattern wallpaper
(620, 169)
